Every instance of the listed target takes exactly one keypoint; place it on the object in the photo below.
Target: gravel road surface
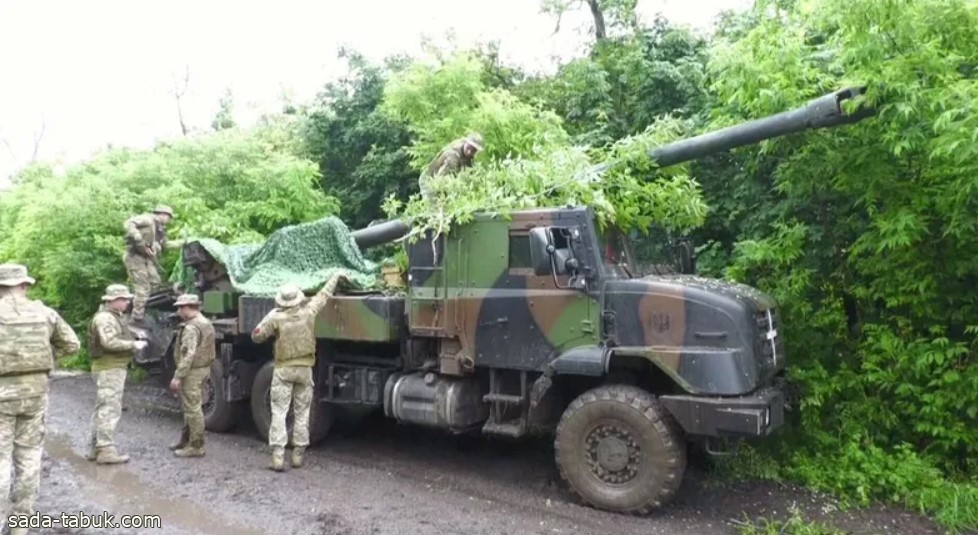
(375, 478)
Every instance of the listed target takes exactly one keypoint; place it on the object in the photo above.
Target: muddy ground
(377, 478)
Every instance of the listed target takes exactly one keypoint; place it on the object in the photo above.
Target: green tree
(362, 153)
(869, 236)
(231, 185)
(224, 118)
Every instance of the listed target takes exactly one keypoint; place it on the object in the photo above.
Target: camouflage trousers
(144, 277)
(291, 384)
(22, 439)
(109, 385)
(190, 402)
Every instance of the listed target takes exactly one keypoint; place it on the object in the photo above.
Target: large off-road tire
(220, 415)
(320, 414)
(619, 450)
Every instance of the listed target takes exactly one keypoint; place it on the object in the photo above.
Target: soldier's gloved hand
(140, 344)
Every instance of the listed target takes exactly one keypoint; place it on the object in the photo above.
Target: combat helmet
(474, 139)
(163, 209)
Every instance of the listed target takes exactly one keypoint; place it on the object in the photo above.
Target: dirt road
(377, 478)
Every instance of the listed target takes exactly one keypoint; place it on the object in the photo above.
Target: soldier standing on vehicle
(456, 156)
(292, 325)
(31, 337)
(194, 355)
(111, 345)
(145, 241)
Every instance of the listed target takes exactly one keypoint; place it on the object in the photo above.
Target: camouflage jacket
(196, 348)
(31, 337)
(449, 161)
(110, 342)
(294, 329)
(145, 231)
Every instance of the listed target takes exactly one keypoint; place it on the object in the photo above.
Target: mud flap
(583, 360)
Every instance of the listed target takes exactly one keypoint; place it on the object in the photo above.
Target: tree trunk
(599, 31)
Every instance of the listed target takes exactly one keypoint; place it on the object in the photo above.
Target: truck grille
(770, 341)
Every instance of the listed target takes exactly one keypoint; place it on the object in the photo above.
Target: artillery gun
(532, 325)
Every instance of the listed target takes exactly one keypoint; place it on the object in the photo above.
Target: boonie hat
(14, 275)
(116, 291)
(289, 295)
(187, 300)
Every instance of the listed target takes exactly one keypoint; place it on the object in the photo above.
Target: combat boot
(190, 451)
(297, 456)
(110, 456)
(184, 440)
(92, 452)
(278, 460)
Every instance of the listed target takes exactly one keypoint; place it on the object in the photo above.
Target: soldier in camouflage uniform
(31, 337)
(292, 325)
(112, 346)
(194, 354)
(452, 159)
(145, 241)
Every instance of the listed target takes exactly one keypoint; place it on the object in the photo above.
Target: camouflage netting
(306, 255)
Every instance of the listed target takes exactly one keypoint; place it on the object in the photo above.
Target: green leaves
(232, 185)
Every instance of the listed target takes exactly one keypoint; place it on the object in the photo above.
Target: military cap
(14, 275)
(187, 300)
(474, 139)
(163, 209)
(289, 296)
(116, 291)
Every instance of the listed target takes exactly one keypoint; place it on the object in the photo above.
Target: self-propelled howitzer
(533, 323)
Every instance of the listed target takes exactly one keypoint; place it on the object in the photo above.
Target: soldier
(31, 337)
(145, 241)
(291, 323)
(452, 159)
(194, 354)
(111, 345)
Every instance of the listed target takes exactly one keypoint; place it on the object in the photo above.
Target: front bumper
(756, 415)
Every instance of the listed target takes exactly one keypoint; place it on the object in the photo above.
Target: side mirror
(541, 250)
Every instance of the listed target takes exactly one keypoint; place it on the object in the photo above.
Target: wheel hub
(612, 454)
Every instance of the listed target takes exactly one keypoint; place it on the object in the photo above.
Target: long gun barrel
(380, 233)
(822, 112)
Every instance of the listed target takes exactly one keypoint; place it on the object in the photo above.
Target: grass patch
(859, 474)
(794, 525)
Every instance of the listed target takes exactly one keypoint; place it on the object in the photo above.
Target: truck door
(524, 320)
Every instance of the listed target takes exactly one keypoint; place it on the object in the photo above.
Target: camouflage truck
(536, 323)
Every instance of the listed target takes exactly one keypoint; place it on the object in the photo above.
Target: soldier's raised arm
(319, 300)
(63, 337)
(189, 340)
(110, 335)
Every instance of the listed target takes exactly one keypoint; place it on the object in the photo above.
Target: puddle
(125, 493)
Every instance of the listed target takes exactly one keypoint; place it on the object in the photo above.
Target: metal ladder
(513, 427)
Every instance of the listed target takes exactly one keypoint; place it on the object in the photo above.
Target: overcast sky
(96, 72)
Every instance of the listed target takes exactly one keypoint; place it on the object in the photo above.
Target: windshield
(615, 253)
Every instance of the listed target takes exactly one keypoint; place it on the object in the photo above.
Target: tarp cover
(306, 255)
